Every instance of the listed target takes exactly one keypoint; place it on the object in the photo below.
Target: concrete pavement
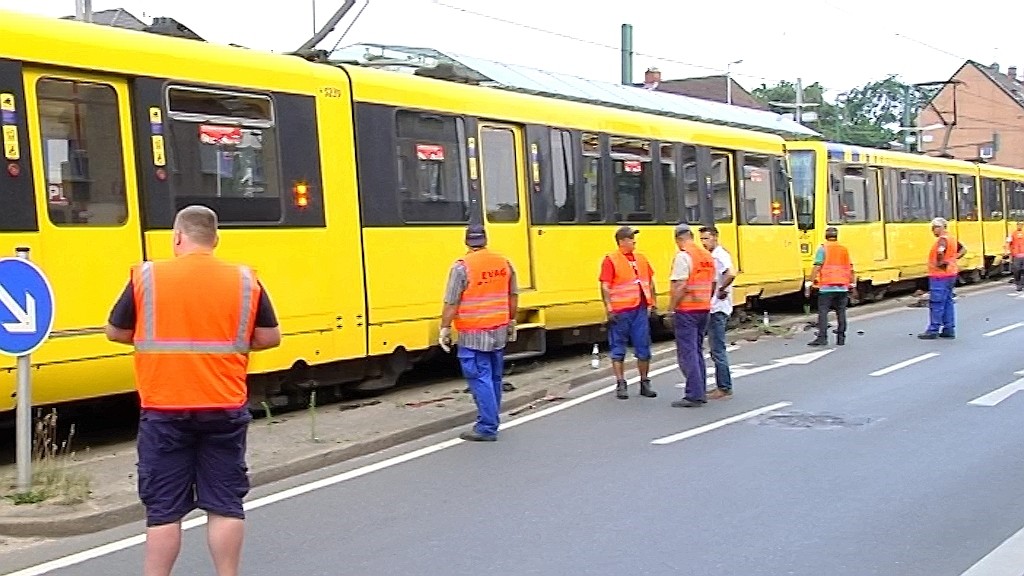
(877, 458)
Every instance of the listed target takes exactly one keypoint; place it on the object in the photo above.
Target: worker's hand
(512, 331)
(612, 316)
(943, 264)
(445, 339)
(723, 293)
(854, 295)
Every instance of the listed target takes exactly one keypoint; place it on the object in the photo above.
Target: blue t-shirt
(819, 259)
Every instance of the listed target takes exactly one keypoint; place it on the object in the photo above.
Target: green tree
(867, 115)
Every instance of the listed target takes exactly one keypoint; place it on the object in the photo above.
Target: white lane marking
(715, 425)
(1004, 329)
(1005, 560)
(904, 364)
(996, 396)
(112, 547)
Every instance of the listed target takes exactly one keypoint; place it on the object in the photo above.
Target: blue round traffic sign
(26, 307)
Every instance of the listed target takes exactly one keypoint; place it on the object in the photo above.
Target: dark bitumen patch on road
(804, 420)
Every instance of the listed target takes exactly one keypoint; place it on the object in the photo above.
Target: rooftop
(472, 70)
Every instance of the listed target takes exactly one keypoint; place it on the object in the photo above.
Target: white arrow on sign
(997, 396)
(25, 317)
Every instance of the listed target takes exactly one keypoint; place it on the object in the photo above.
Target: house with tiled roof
(714, 88)
(982, 110)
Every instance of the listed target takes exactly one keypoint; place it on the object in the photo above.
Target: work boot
(818, 342)
(620, 390)
(840, 339)
(645, 389)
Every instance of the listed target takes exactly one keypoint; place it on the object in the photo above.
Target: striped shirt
(482, 340)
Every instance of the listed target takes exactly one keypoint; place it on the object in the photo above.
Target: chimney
(652, 78)
(1011, 72)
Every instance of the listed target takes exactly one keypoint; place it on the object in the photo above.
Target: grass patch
(52, 476)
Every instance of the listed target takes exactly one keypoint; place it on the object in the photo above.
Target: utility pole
(915, 144)
(627, 54)
(728, 80)
(799, 105)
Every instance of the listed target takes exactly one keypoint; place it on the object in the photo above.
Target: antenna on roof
(328, 27)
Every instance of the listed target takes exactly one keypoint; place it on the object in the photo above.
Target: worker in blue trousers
(481, 300)
(942, 274)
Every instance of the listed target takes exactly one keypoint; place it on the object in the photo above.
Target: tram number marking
(330, 92)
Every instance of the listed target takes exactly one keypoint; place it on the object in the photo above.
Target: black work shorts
(192, 459)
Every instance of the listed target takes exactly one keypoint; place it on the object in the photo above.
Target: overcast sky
(835, 42)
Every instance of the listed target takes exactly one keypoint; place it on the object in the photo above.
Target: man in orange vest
(193, 321)
(693, 284)
(627, 288)
(942, 274)
(834, 276)
(1015, 251)
(481, 300)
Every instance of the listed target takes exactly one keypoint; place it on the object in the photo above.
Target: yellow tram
(347, 189)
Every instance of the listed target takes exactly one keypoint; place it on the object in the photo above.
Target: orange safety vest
(949, 257)
(835, 268)
(195, 316)
(623, 293)
(697, 297)
(1017, 244)
(484, 303)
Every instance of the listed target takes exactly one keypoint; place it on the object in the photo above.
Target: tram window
(764, 196)
(991, 200)
(943, 196)
(670, 182)
(501, 183)
(916, 194)
(593, 203)
(721, 185)
(966, 199)
(852, 195)
(431, 186)
(563, 175)
(691, 192)
(801, 164)
(82, 153)
(1015, 200)
(633, 175)
(223, 154)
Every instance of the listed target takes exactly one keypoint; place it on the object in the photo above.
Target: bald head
(197, 225)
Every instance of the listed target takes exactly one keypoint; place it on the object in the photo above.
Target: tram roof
(472, 70)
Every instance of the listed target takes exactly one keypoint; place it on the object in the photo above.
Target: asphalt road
(869, 459)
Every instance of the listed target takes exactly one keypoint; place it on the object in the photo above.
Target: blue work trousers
(940, 305)
(689, 330)
(716, 339)
(483, 371)
(630, 327)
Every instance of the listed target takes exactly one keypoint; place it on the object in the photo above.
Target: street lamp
(728, 80)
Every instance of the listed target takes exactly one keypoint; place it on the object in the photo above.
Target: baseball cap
(682, 229)
(625, 232)
(476, 236)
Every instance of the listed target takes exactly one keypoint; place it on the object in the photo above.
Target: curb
(91, 521)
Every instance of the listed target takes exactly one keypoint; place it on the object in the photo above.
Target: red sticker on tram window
(209, 134)
(633, 166)
(430, 152)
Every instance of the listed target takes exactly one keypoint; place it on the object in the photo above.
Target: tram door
(504, 190)
(80, 132)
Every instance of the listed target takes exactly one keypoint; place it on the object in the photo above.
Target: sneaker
(719, 393)
(818, 342)
(927, 335)
(948, 335)
(687, 403)
(474, 436)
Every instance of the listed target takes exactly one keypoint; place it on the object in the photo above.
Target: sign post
(26, 319)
